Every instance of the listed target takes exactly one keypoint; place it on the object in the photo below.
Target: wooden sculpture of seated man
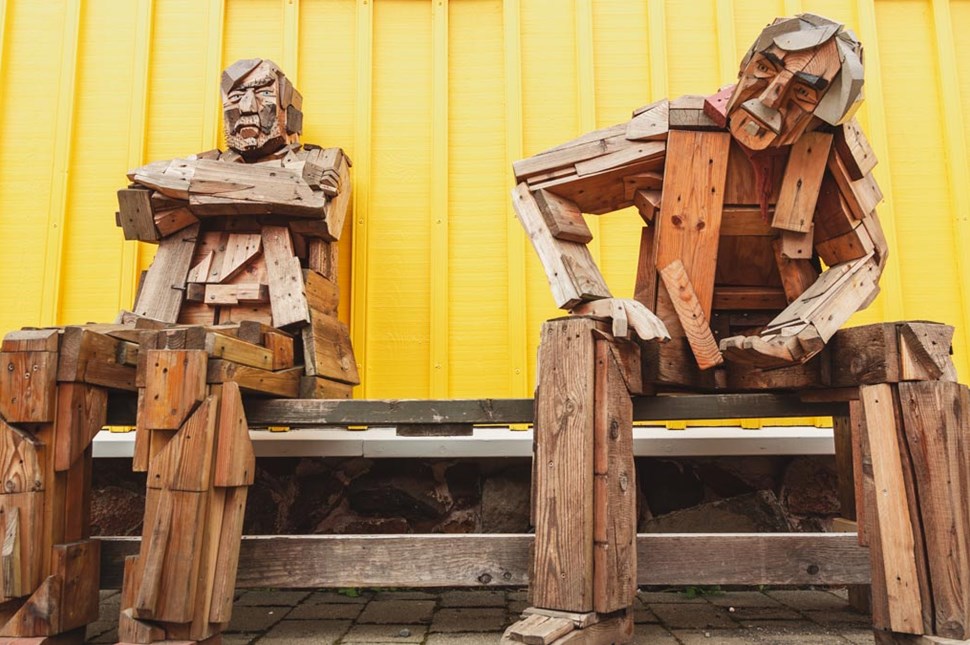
(745, 194)
(250, 234)
(246, 236)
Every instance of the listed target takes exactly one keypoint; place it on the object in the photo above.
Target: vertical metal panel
(433, 99)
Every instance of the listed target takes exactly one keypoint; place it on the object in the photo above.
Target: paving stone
(405, 612)
(480, 619)
(743, 599)
(237, 639)
(386, 634)
(858, 636)
(317, 611)
(472, 598)
(764, 613)
(255, 619)
(840, 618)
(306, 632)
(482, 638)
(653, 635)
(406, 595)
(642, 614)
(809, 600)
(270, 598)
(711, 637)
(669, 597)
(691, 616)
(337, 598)
(104, 594)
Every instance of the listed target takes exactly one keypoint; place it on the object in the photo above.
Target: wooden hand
(627, 316)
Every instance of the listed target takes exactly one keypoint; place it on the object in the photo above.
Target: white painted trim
(502, 442)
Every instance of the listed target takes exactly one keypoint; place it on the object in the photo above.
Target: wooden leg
(915, 459)
(584, 563)
(845, 453)
(180, 586)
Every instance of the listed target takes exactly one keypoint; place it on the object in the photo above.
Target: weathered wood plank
(471, 560)
(562, 497)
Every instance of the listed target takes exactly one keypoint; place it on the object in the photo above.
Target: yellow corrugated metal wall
(433, 99)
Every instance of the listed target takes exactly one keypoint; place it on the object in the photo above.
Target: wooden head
(799, 68)
(261, 108)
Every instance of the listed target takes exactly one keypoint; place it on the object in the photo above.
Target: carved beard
(255, 135)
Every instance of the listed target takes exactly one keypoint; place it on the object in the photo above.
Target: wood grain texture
(286, 290)
(562, 575)
(27, 392)
(174, 385)
(692, 314)
(81, 413)
(689, 221)
(163, 288)
(570, 270)
(935, 425)
(614, 491)
(327, 350)
(474, 560)
(801, 182)
(896, 591)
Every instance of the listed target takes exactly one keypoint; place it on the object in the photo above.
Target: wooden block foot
(552, 627)
(73, 637)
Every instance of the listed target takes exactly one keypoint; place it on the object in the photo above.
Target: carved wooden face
(253, 117)
(778, 92)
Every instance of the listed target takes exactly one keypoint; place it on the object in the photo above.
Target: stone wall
(324, 495)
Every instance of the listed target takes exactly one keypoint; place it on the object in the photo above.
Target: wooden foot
(72, 637)
(551, 627)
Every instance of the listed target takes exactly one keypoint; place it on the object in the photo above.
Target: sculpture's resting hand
(627, 316)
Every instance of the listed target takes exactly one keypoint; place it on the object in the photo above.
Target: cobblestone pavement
(478, 617)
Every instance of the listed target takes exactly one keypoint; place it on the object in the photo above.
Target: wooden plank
(233, 294)
(81, 413)
(749, 298)
(21, 520)
(78, 565)
(20, 466)
(227, 565)
(744, 221)
(801, 182)
(687, 113)
(27, 392)
(327, 350)
(286, 290)
(562, 572)
(174, 384)
(897, 589)
(616, 629)
(235, 461)
(135, 215)
(317, 387)
(614, 490)
(692, 314)
(796, 246)
(861, 195)
(570, 270)
(185, 463)
(171, 221)
(31, 340)
(854, 149)
(645, 289)
(580, 620)
(322, 294)
(933, 421)
(650, 124)
(689, 221)
(261, 413)
(163, 288)
(285, 383)
(88, 356)
(281, 346)
(925, 352)
(238, 351)
(475, 560)
(865, 355)
(240, 249)
(846, 247)
(563, 218)
(322, 258)
(537, 629)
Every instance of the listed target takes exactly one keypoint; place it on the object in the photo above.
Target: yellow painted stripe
(440, 308)
(890, 283)
(212, 105)
(727, 58)
(362, 185)
(958, 169)
(586, 94)
(516, 250)
(63, 138)
(3, 32)
(657, 39)
(291, 40)
(137, 122)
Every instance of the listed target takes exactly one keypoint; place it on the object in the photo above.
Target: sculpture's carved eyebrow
(812, 80)
(774, 59)
(254, 84)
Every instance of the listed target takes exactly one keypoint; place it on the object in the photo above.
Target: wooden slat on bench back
(316, 561)
(262, 412)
